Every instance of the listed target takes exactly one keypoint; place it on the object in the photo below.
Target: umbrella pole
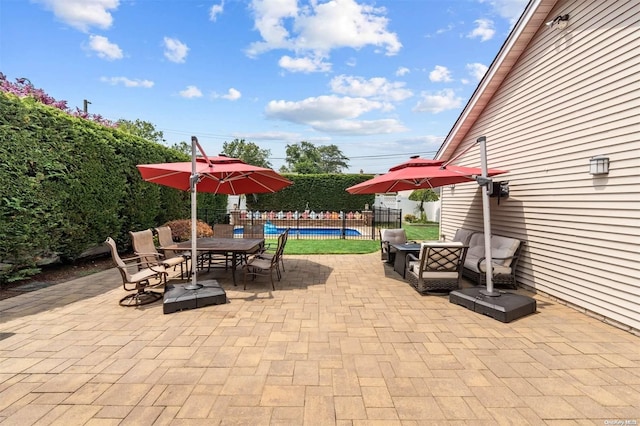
(194, 210)
(486, 215)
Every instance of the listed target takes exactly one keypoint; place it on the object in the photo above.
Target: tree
(248, 152)
(306, 158)
(183, 147)
(332, 159)
(423, 195)
(141, 128)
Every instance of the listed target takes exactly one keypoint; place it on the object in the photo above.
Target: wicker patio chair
(388, 237)
(438, 269)
(505, 253)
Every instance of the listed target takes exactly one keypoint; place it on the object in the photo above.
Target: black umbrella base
(178, 297)
(505, 307)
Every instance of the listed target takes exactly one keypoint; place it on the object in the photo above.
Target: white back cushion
(394, 236)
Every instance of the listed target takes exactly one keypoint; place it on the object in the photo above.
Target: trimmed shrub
(181, 229)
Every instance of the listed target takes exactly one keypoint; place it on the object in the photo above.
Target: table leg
(233, 266)
(398, 263)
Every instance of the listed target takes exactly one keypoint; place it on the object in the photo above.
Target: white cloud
(269, 21)
(484, 29)
(104, 48)
(509, 9)
(191, 92)
(334, 114)
(360, 127)
(126, 82)
(231, 95)
(272, 136)
(321, 108)
(431, 141)
(446, 29)
(378, 88)
(83, 14)
(477, 70)
(438, 102)
(440, 74)
(305, 65)
(175, 50)
(216, 10)
(283, 25)
(401, 71)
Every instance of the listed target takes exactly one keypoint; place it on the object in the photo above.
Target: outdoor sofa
(505, 253)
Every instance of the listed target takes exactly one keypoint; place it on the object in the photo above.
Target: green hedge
(318, 191)
(67, 183)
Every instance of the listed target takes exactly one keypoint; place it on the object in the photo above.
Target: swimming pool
(337, 232)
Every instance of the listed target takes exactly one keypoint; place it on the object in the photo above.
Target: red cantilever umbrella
(419, 173)
(218, 175)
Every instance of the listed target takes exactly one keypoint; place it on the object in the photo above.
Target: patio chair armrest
(482, 259)
(156, 255)
(132, 259)
(412, 257)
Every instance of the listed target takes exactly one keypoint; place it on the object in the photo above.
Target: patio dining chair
(165, 238)
(253, 231)
(269, 253)
(144, 247)
(266, 265)
(138, 278)
(220, 230)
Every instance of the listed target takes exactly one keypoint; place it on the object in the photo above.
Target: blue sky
(382, 79)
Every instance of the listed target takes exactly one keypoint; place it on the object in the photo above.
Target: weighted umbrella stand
(196, 294)
(499, 305)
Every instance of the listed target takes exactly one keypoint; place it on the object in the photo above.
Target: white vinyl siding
(573, 94)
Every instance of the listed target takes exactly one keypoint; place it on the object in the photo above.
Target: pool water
(272, 230)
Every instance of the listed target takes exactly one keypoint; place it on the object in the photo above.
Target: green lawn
(415, 232)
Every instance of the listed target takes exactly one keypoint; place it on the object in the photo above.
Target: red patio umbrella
(218, 175)
(419, 173)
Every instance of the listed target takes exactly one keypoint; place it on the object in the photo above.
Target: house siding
(572, 94)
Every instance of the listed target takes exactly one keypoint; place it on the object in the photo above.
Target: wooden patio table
(237, 247)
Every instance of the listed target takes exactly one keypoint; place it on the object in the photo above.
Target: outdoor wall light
(599, 165)
(560, 22)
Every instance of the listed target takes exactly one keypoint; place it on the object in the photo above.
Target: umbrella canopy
(418, 173)
(219, 175)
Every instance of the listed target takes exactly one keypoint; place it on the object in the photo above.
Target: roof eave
(534, 16)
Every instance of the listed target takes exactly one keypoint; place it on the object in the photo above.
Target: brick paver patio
(343, 340)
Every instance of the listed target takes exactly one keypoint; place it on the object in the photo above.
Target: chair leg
(273, 285)
(141, 297)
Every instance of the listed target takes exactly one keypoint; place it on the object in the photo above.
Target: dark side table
(402, 250)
